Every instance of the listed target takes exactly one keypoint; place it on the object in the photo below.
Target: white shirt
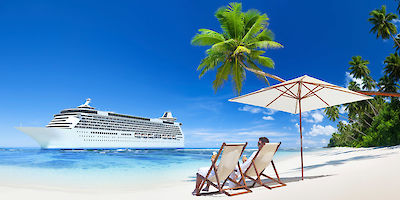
(246, 164)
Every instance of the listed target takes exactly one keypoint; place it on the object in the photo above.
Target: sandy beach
(338, 173)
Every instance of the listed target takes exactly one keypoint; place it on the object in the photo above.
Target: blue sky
(136, 58)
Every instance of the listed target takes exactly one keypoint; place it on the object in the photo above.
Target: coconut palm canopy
(382, 24)
(241, 45)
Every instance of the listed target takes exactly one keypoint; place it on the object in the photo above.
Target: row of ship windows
(123, 120)
(124, 129)
(90, 140)
(137, 134)
(125, 123)
(111, 119)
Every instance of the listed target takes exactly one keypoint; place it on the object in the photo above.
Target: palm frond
(238, 75)
(207, 37)
(266, 44)
(256, 28)
(227, 45)
(222, 75)
(265, 61)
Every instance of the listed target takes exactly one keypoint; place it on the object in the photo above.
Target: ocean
(120, 168)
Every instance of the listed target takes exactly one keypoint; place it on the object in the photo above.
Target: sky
(135, 57)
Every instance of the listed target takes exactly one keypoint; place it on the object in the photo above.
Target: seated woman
(203, 172)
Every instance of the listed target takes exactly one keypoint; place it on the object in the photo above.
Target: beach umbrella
(300, 95)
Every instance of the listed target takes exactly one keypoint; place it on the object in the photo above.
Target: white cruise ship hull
(77, 138)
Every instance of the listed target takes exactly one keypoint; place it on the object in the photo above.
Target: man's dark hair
(263, 140)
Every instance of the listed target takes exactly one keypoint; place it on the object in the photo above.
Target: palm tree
(332, 112)
(368, 83)
(359, 67)
(392, 68)
(387, 84)
(239, 47)
(383, 27)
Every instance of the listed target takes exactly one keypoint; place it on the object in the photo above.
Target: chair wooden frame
(220, 186)
(258, 179)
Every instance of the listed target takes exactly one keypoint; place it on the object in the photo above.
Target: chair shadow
(268, 182)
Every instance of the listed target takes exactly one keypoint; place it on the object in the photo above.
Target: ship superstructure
(85, 127)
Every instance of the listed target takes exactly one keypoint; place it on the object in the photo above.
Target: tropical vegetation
(374, 122)
(240, 47)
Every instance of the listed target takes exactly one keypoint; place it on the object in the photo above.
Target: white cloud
(344, 122)
(270, 111)
(396, 22)
(321, 130)
(342, 110)
(323, 141)
(317, 117)
(256, 110)
(350, 78)
(298, 127)
(268, 118)
(305, 114)
(250, 109)
(262, 133)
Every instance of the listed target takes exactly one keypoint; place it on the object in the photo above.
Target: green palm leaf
(207, 37)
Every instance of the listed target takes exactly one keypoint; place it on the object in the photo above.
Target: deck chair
(260, 162)
(217, 176)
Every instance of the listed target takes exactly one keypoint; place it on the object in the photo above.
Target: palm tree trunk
(356, 122)
(373, 108)
(395, 40)
(261, 73)
(360, 132)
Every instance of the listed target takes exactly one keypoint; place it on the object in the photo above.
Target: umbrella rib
(262, 90)
(316, 95)
(289, 95)
(279, 95)
(298, 94)
(309, 92)
(309, 95)
(290, 92)
(335, 87)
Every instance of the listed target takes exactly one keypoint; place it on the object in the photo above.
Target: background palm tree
(392, 68)
(387, 84)
(239, 47)
(383, 27)
(359, 67)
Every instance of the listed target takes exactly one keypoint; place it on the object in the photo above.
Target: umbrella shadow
(343, 161)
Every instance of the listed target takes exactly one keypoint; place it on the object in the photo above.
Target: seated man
(246, 162)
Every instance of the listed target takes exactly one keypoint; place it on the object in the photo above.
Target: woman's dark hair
(263, 140)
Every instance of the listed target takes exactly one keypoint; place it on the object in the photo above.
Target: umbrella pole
(301, 143)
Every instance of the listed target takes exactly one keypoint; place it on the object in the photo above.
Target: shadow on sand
(268, 182)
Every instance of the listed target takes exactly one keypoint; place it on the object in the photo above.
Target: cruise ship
(86, 128)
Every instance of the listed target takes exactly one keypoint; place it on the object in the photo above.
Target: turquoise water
(111, 168)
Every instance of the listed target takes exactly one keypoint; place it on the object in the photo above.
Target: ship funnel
(167, 116)
(86, 104)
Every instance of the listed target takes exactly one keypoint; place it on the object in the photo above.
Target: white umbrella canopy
(300, 95)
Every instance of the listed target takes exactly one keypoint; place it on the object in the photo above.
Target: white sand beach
(338, 173)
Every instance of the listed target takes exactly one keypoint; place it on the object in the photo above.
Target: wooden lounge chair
(217, 176)
(260, 162)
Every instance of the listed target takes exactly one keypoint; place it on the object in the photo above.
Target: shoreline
(334, 173)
